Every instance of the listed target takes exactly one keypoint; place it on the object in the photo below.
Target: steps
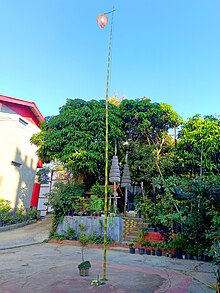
(131, 226)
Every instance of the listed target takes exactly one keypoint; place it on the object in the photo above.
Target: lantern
(114, 176)
(102, 20)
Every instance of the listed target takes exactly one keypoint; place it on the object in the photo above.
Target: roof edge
(31, 105)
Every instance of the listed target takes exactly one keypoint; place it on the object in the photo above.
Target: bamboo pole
(106, 155)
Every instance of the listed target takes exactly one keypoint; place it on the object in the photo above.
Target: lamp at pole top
(102, 20)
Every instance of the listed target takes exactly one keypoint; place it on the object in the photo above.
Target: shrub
(84, 265)
(179, 243)
(9, 216)
(70, 234)
(99, 238)
(31, 214)
(58, 236)
(146, 243)
(5, 205)
(61, 199)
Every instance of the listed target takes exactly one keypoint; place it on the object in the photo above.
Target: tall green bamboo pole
(106, 153)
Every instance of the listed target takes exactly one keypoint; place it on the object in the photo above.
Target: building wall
(18, 157)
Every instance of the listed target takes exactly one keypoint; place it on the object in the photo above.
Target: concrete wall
(114, 225)
(16, 182)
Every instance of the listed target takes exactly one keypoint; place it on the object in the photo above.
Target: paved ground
(30, 234)
(52, 268)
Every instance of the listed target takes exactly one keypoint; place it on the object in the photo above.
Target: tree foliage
(198, 148)
(189, 206)
(146, 126)
(146, 122)
(77, 136)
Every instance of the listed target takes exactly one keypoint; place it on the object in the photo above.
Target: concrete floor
(28, 266)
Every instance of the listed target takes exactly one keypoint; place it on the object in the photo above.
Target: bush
(9, 216)
(31, 215)
(179, 243)
(58, 236)
(146, 243)
(5, 205)
(70, 234)
(61, 199)
(99, 238)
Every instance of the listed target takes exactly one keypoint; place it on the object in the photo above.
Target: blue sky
(168, 51)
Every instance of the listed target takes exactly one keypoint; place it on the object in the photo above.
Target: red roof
(27, 110)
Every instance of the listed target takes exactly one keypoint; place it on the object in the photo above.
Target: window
(23, 122)
(16, 164)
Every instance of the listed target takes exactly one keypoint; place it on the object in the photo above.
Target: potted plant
(184, 253)
(159, 245)
(205, 255)
(189, 252)
(195, 253)
(154, 245)
(132, 248)
(142, 248)
(179, 245)
(200, 252)
(140, 236)
(168, 248)
(84, 240)
(140, 241)
(147, 243)
(84, 268)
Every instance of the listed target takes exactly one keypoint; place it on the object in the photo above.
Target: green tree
(198, 147)
(77, 138)
(192, 204)
(146, 126)
(145, 121)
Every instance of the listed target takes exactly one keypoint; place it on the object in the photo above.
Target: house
(19, 120)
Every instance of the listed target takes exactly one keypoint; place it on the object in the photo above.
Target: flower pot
(183, 256)
(195, 257)
(159, 252)
(153, 252)
(83, 272)
(150, 229)
(141, 250)
(132, 250)
(205, 257)
(84, 267)
(148, 251)
(170, 255)
(189, 256)
(199, 257)
(178, 254)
